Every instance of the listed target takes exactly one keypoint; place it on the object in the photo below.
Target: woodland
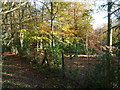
(53, 45)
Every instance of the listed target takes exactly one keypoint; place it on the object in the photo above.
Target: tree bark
(51, 14)
(63, 61)
(109, 43)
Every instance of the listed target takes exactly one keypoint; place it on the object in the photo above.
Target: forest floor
(18, 74)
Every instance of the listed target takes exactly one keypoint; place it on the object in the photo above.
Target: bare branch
(46, 6)
(14, 8)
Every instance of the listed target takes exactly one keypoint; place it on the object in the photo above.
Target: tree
(55, 27)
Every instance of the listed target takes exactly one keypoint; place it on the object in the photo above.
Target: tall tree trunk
(108, 80)
(109, 26)
(41, 42)
(37, 43)
(51, 14)
(75, 27)
(63, 61)
(21, 27)
(0, 45)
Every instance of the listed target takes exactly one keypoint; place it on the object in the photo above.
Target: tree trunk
(0, 45)
(63, 61)
(51, 14)
(108, 79)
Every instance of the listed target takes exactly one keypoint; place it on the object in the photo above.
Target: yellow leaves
(55, 33)
(66, 27)
(22, 30)
(44, 32)
(41, 38)
(61, 18)
(67, 41)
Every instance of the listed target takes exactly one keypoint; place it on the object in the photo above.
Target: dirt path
(79, 68)
(17, 74)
